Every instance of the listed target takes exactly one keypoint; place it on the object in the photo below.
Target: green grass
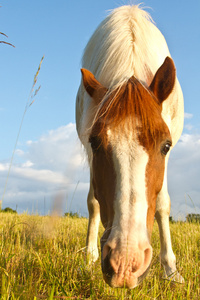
(44, 258)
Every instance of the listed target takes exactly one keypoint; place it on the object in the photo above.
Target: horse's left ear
(164, 79)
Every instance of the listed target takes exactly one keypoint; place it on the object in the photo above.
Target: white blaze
(130, 161)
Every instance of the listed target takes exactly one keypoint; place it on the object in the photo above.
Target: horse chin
(144, 275)
(114, 282)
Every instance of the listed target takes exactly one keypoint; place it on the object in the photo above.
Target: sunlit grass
(44, 258)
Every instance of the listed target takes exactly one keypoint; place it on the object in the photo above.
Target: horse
(129, 115)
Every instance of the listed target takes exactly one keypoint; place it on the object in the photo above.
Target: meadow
(43, 257)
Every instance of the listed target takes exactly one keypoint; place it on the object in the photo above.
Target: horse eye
(94, 142)
(165, 149)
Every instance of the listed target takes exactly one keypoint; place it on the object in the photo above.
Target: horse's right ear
(93, 87)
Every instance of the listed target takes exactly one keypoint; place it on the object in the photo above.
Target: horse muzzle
(125, 266)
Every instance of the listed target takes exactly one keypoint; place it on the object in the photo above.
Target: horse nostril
(106, 265)
(106, 251)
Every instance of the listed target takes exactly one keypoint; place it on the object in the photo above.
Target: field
(44, 258)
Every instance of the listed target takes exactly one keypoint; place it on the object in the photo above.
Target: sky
(49, 169)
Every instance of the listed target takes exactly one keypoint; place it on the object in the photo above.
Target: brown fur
(130, 101)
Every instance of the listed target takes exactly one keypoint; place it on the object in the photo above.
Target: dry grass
(44, 258)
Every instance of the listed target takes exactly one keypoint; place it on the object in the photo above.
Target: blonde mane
(126, 43)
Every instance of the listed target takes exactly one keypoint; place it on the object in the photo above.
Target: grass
(44, 258)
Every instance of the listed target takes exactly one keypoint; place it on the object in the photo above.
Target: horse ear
(93, 87)
(164, 79)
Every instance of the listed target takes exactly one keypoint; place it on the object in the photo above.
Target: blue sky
(60, 30)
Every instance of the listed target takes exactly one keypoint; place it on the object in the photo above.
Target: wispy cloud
(188, 115)
(54, 163)
(188, 126)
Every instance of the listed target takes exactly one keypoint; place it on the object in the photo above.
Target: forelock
(129, 106)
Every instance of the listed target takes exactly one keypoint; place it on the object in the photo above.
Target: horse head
(129, 141)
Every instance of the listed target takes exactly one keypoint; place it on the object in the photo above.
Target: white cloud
(188, 126)
(58, 150)
(27, 164)
(184, 174)
(188, 115)
(55, 164)
(19, 152)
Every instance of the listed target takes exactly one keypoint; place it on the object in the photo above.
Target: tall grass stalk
(31, 99)
(3, 42)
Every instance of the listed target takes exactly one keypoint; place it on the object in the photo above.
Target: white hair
(126, 43)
